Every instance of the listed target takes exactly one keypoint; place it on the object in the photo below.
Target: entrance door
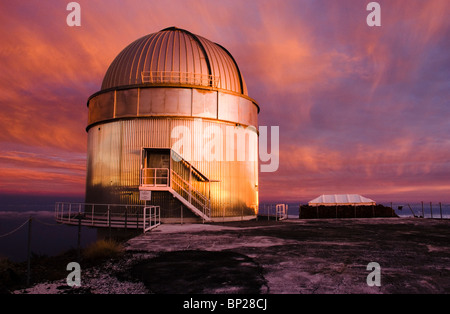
(156, 166)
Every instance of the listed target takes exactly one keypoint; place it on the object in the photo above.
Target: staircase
(164, 179)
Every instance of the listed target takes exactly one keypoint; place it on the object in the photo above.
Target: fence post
(29, 252)
(431, 210)
(126, 216)
(79, 239)
(137, 216)
(440, 209)
(143, 219)
(109, 221)
(423, 213)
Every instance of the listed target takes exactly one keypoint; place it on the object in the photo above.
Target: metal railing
(155, 177)
(192, 195)
(281, 211)
(182, 78)
(108, 215)
(152, 216)
(159, 177)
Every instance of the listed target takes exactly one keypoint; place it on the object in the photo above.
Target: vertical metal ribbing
(192, 50)
(155, 51)
(120, 157)
(180, 37)
(136, 65)
(150, 50)
(204, 53)
(129, 65)
(122, 68)
(113, 69)
(224, 79)
(166, 54)
(232, 77)
(241, 81)
(175, 44)
(183, 47)
(197, 55)
(213, 62)
(160, 51)
(222, 61)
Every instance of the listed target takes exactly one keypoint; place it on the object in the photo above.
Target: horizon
(361, 110)
(30, 200)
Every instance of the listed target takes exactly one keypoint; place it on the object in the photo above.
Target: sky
(361, 110)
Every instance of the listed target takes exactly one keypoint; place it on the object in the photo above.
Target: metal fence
(428, 210)
(434, 210)
(108, 215)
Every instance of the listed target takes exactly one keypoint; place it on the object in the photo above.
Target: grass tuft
(102, 249)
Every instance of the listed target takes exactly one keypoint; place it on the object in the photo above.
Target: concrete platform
(296, 256)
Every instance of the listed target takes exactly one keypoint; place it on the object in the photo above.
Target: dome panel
(174, 56)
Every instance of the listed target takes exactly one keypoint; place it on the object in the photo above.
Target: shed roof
(341, 199)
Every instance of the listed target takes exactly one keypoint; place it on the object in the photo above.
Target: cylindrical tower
(173, 116)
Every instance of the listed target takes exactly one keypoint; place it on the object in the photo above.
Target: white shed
(341, 199)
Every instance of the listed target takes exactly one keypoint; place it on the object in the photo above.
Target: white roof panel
(341, 199)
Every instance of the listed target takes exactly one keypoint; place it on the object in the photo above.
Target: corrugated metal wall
(114, 161)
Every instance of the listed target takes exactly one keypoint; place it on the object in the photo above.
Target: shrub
(103, 249)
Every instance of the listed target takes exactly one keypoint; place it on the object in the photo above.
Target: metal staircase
(181, 186)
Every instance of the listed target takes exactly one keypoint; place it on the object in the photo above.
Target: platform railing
(182, 78)
(107, 215)
(155, 177)
(151, 218)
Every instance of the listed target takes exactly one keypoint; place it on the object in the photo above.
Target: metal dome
(175, 56)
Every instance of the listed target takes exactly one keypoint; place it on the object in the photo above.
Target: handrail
(173, 77)
(196, 198)
(155, 180)
(153, 217)
(205, 199)
(110, 215)
(203, 202)
(69, 211)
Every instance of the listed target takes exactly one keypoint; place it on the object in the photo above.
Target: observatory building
(173, 119)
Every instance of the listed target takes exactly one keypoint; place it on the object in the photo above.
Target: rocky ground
(295, 256)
